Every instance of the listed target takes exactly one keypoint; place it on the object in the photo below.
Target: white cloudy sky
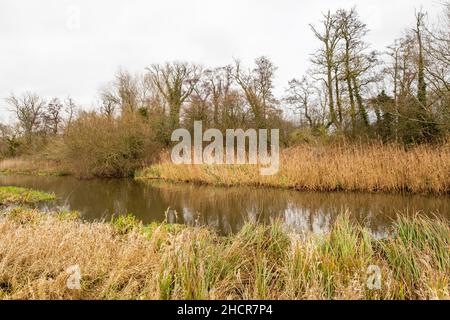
(44, 50)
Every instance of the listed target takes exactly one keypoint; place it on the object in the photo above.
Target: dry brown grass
(370, 168)
(31, 166)
(126, 260)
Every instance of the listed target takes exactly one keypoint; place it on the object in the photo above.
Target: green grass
(123, 224)
(17, 195)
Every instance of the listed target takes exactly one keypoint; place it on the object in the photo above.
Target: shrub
(97, 145)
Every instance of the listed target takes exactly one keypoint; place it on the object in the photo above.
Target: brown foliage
(97, 145)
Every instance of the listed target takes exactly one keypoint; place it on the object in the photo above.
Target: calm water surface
(226, 209)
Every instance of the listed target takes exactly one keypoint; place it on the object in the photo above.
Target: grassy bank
(369, 168)
(31, 166)
(127, 260)
(16, 195)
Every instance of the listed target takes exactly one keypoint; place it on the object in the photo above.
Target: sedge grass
(125, 259)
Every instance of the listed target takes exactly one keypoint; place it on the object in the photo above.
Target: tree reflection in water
(227, 209)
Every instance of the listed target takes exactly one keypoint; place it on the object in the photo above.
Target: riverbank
(125, 259)
(32, 166)
(423, 169)
(16, 195)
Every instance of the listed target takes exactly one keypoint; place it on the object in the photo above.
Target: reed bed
(32, 166)
(373, 167)
(125, 259)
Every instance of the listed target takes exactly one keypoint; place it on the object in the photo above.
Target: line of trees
(401, 94)
(37, 121)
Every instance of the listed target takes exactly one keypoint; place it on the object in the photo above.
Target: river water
(227, 209)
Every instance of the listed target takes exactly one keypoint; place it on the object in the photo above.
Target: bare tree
(219, 81)
(110, 102)
(69, 109)
(28, 110)
(53, 115)
(125, 94)
(257, 85)
(325, 57)
(199, 105)
(437, 50)
(299, 95)
(175, 82)
(421, 85)
(355, 62)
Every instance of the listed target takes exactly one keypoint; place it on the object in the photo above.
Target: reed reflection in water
(227, 209)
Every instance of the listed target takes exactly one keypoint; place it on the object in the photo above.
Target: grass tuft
(125, 259)
(16, 195)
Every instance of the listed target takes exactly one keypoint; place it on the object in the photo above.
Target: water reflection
(227, 209)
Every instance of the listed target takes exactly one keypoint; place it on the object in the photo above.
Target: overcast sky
(69, 47)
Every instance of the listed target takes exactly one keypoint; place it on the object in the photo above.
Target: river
(227, 209)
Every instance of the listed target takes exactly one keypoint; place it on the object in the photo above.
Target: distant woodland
(351, 92)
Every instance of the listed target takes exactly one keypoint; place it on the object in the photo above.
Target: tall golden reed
(352, 167)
